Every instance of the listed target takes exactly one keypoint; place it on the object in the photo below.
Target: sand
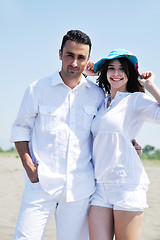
(12, 183)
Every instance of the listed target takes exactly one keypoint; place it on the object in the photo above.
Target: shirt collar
(56, 79)
(84, 81)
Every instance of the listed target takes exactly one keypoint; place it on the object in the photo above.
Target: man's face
(74, 59)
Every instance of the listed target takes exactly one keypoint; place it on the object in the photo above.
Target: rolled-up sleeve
(22, 127)
(147, 109)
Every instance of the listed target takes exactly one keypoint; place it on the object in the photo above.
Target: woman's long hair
(133, 84)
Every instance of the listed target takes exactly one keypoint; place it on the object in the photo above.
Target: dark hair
(133, 84)
(78, 37)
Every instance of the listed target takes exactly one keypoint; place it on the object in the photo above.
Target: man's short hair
(78, 37)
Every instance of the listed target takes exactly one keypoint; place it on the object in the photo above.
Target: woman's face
(116, 76)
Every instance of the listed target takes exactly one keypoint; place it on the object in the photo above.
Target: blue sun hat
(117, 53)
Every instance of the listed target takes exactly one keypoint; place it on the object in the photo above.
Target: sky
(31, 32)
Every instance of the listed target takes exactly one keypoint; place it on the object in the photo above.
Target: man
(52, 137)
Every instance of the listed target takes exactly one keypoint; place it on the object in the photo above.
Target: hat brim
(133, 59)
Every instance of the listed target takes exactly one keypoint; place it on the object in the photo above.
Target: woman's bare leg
(101, 226)
(127, 225)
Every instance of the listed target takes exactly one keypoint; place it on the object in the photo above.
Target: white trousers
(37, 207)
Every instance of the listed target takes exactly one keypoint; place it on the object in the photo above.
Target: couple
(52, 134)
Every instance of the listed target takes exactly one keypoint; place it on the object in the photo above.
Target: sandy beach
(12, 183)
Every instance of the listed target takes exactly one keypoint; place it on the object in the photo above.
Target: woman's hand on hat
(89, 69)
(147, 79)
(147, 82)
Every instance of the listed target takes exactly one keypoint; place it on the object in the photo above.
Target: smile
(116, 79)
(73, 69)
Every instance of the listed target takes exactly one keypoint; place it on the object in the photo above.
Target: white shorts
(118, 198)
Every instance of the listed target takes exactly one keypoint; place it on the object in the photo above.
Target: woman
(121, 182)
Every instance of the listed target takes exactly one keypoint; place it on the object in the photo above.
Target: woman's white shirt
(115, 159)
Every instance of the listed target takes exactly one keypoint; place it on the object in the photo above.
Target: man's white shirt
(56, 120)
